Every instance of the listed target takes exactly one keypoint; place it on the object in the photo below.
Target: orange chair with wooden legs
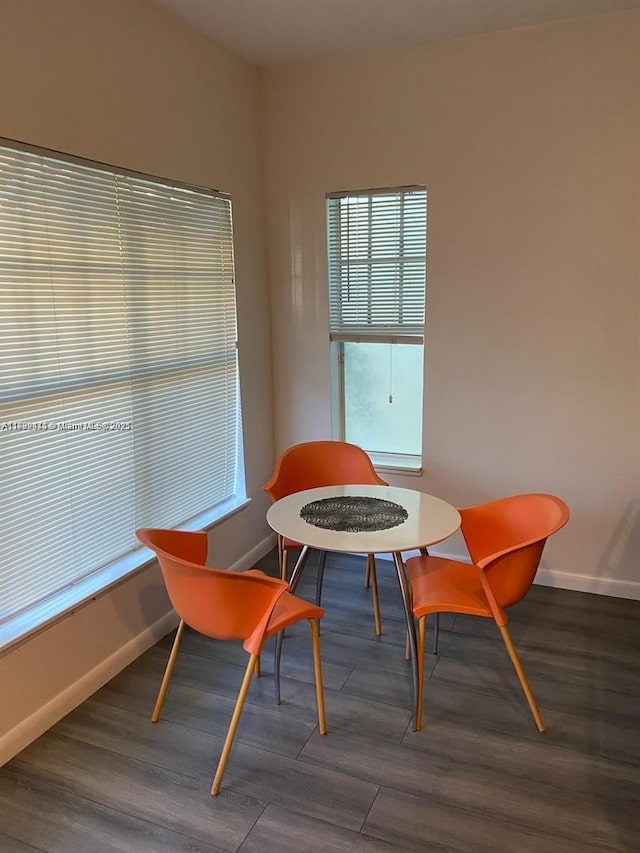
(312, 465)
(224, 605)
(505, 539)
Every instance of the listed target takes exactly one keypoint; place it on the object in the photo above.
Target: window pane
(374, 374)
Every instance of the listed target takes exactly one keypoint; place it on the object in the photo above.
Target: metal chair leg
(276, 665)
(436, 633)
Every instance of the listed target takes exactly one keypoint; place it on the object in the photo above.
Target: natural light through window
(377, 282)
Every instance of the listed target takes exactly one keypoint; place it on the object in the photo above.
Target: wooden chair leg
(515, 660)
(367, 573)
(317, 668)
(371, 570)
(233, 725)
(422, 622)
(166, 678)
(283, 559)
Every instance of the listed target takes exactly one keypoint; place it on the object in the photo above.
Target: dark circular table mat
(354, 514)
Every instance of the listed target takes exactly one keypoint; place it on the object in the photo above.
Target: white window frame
(41, 194)
(357, 324)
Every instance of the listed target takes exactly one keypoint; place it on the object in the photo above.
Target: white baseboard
(584, 583)
(46, 716)
(560, 580)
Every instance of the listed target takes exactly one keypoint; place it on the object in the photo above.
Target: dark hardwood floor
(478, 777)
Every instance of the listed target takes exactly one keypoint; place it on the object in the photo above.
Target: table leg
(293, 582)
(297, 569)
(411, 630)
(320, 576)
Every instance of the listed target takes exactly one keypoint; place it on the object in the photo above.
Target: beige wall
(528, 143)
(124, 82)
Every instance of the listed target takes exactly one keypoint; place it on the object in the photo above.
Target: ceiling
(274, 32)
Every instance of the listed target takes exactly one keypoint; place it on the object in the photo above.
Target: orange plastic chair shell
(505, 539)
(314, 464)
(248, 606)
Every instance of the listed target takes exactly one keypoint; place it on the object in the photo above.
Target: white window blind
(377, 262)
(119, 399)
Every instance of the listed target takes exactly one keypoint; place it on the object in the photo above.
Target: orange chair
(224, 605)
(505, 539)
(312, 465)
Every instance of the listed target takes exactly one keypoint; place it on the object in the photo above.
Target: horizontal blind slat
(377, 262)
(119, 400)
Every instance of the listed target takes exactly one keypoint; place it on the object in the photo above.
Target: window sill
(24, 626)
(397, 463)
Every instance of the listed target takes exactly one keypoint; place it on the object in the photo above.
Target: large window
(119, 398)
(377, 263)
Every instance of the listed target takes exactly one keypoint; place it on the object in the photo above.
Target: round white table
(425, 521)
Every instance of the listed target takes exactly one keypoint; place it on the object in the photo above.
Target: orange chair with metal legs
(505, 539)
(224, 605)
(312, 465)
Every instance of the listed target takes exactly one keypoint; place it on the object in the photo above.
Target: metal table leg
(320, 576)
(297, 569)
(293, 582)
(411, 630)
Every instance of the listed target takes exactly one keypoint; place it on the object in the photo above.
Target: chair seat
(289, 609)
(441, 585)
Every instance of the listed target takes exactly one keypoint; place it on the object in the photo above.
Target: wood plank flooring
(478, 777)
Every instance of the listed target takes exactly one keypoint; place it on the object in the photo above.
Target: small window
(377, 275)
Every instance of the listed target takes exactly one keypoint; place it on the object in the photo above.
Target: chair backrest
(221, 604)
(321, 463)
(506, 537)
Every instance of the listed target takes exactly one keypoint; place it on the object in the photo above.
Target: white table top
(430, 520)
